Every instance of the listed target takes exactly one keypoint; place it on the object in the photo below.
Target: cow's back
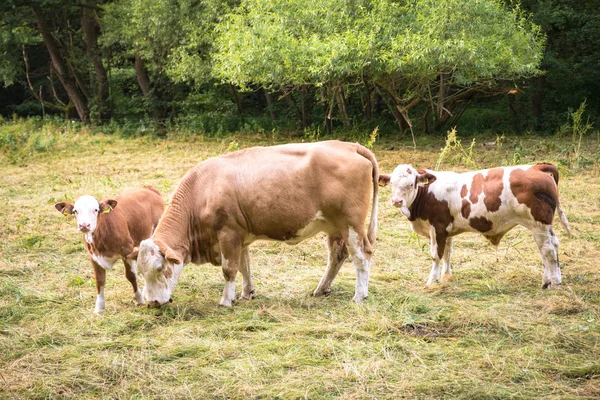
(276, 191)
(142, 209)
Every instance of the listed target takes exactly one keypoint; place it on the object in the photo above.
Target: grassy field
(492, 333)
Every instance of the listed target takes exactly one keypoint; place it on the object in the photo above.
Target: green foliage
(401, 47)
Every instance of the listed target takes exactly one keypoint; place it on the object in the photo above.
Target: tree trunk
(68, 82)
(341, 102)
(537, 101)
(90, 29)
(269, 99)
(143, 81)
(238, 102)
(304, 105)
(368, 102)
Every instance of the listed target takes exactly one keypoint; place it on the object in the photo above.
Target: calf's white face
(404, 188)
(86, 210)
(160, 271)
(405, 181)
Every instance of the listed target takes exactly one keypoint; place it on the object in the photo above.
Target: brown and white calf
(112, 228)
(286, 193)
(442, 204)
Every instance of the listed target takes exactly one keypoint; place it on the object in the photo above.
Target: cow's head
(86, 210)
(161, 266)
(405, 181)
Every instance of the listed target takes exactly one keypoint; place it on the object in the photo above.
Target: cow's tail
(552, 170)
(372, 229)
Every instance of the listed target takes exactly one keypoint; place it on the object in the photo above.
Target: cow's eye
(75, 212)
(96, 210)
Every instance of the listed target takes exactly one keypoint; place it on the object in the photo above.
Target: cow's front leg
(100, 274)
(231, 252)
(437, 246)
(130, 274)
(446, 267)
(247, 285)
(548, 246)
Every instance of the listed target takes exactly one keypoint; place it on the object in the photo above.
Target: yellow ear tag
(65, 213)
(109, 209)
(426, 182)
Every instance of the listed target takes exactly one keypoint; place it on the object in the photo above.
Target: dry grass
(491, 333)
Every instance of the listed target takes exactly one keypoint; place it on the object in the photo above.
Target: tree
(440, 52)
(571, 63)
(68, 31)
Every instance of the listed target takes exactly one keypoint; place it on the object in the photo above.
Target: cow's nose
(84, 227)
(156, 304)
(153, 304)
(397, 202)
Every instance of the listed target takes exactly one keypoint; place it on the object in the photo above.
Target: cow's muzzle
(156, 303)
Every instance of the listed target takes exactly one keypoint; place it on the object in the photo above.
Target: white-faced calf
(112, 228)
(442, 204)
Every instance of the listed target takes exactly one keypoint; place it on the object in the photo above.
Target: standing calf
(442, 204)
(112, 228)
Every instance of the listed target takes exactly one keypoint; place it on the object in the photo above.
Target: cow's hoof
(245, 297)
(98, 311)
(550, 285)
(225, 303)
(139, 298)
(359, 298)
(321, 292)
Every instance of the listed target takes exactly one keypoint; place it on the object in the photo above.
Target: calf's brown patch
(491, 186)
(482, 224)
(537, 190)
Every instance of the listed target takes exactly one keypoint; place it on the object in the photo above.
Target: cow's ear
(425, 179)
(173, 256)
(384, 180)
(133, 255)
(64, 208)
(106, 206)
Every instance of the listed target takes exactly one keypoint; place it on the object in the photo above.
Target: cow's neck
(173, 231)
(418, 206)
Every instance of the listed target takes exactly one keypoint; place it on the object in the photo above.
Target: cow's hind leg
(231, 254)
(247, 285)
(548, 245)
(361, 251)
(338, 253)
(130, 274)
(100, 274)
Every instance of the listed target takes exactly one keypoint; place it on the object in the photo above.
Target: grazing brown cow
(286, 193)
(441, 204)
(112, 228)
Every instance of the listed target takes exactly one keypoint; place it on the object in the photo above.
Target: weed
(577, 128)
(455, 151)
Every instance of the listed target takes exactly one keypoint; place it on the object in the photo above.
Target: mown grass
(492, 333)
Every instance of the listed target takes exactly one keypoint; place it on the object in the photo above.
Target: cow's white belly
(105, 262)
(318, 224)
(420, 227)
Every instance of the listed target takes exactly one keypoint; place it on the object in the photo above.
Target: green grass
(493, 333)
